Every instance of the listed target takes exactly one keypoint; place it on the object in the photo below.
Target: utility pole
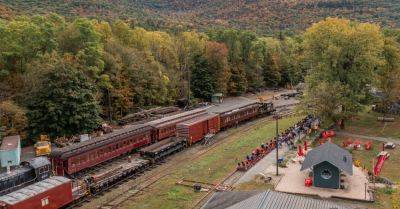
(277, 117)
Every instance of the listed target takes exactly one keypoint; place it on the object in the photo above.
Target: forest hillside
(262, 16)
(67, 66)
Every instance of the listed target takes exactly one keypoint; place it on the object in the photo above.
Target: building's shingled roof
(331, 153)
(267, 200)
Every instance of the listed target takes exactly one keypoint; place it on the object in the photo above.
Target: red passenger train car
(166, 127)
(72, 159)
(195, 129)
(235, 110)
(234, 117)
(52, 193)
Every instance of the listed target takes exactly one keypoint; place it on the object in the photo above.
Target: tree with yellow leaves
(342, 55)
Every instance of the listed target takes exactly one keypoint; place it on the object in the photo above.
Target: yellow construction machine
(43, 146)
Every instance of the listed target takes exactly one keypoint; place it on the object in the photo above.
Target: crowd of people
(288, 137)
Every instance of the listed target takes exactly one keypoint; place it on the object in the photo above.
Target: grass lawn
(254, 185)
(211, 167)
(366, 123)
(387, 198)
(390, 170)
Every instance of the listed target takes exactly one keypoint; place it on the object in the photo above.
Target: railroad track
(140, 185)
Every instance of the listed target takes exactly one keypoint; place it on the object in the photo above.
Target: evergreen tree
(65, 106)
(201, 79)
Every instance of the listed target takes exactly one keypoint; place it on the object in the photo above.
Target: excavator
(43, 146)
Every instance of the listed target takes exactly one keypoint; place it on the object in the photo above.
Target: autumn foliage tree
(217, 58)
(342, 55)
(389, 75)
(126, 67)
(12, 118)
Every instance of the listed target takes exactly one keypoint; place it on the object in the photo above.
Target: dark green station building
(327, 161)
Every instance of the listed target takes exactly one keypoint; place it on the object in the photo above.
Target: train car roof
(38, 162)
(198, 119)
(99, 141)
(33, 190)
(179, 120)
(10, 143)
(164, 120)
(231, 104)
(14, 172)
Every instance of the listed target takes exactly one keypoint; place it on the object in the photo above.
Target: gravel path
(382, 139)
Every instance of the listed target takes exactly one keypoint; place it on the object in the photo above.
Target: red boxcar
(195, 129)
(166, 127)
(52, 193)
(77, 157)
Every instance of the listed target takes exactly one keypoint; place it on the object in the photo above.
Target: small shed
(217, 98)
(10, 151)
(327, 161)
